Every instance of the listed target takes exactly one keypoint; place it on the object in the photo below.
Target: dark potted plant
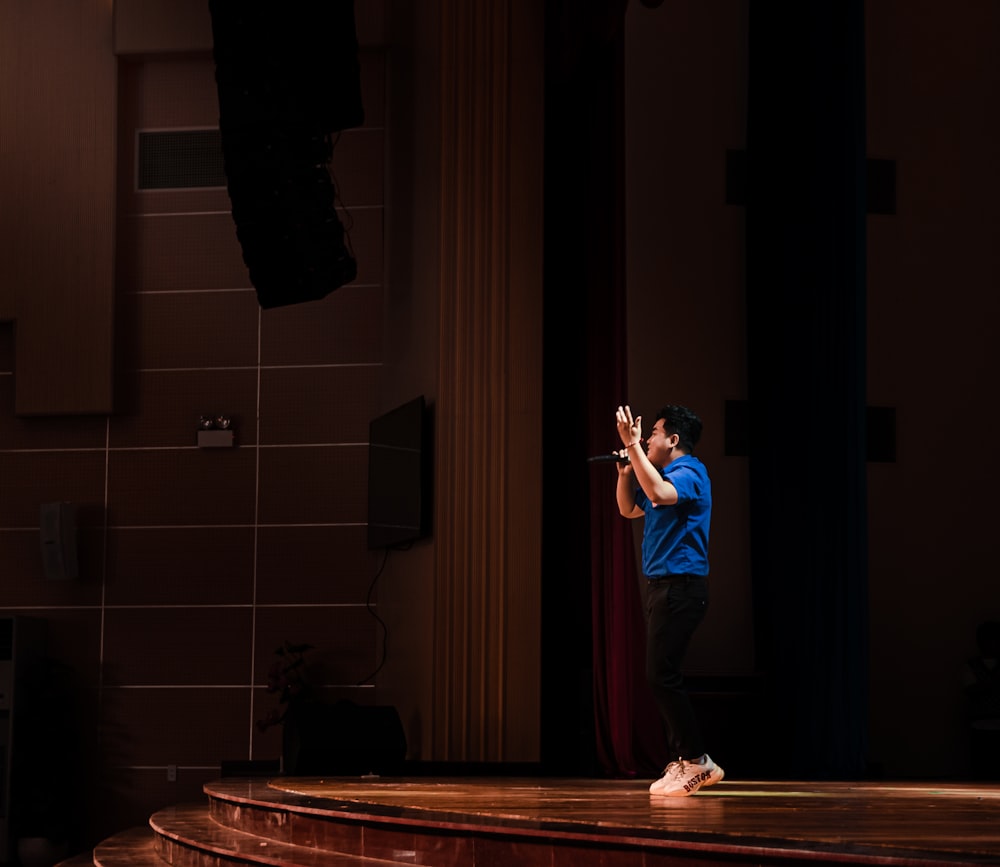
(298, 702)
(287, 678)
(322, 738)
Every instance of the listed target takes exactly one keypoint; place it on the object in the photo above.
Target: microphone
(608, 459)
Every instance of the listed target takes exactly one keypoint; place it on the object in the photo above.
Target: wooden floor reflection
(879, 822)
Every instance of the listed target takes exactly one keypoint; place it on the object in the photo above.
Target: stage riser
(493, 822)
(410, 843)
(132, 849)
(355, 837)
(135, 847)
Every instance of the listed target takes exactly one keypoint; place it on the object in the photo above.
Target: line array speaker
(288, 78)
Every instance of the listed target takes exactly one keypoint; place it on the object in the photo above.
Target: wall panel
(57, 153)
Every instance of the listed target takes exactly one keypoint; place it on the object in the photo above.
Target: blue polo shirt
(675, 538)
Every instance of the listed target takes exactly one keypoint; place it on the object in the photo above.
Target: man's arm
(625, 493)
(657, 488)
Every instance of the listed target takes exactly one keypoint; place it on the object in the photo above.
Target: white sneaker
(683, 778)
(668, 773)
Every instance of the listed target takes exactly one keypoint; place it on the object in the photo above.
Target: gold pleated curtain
(488, 413)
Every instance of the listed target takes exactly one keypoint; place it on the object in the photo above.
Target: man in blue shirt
(670, 488)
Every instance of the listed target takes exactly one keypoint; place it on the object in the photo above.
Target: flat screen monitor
(399, 451)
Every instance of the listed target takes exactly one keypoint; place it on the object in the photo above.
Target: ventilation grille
(180, 159)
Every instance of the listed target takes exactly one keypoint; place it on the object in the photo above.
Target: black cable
(372, 612)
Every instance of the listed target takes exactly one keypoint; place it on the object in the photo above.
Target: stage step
(130, 848)
(186, 835)
(364, 822)
(86, 859)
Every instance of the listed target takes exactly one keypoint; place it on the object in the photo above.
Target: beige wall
(685, 99)
(933, 272)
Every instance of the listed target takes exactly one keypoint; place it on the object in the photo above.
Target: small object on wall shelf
(216, 431)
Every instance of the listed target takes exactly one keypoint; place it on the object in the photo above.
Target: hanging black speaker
(287, 66)
(288, 78)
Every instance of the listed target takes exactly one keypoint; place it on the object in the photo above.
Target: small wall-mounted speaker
(57, 527)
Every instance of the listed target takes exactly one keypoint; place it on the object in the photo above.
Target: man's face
(660, 444)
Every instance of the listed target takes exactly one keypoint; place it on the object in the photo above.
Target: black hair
(683, 422)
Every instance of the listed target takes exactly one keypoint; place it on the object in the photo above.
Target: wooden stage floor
(738, 821)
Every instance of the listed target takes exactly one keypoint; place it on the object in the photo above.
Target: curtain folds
(586, 378)
(806, 264)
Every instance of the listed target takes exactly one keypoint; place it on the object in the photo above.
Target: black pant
(985, 744)
(674, 607)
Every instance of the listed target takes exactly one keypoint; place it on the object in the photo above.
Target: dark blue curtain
(806, 258)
